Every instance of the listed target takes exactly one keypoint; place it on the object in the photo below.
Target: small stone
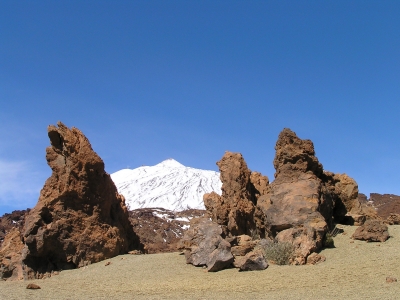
(33, 286)
(351, 242)
(315, 258)
(108, 263)
(391, 279)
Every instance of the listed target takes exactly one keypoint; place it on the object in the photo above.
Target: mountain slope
(168, 185)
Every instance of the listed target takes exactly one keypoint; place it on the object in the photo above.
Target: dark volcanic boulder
(372, 231)
(203, 245)
(80, 218)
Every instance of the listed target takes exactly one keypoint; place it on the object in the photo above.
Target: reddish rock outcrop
(304, 200)
(299, 206)
(16, 219)
(80, 218)
(236, 208)
(372, 231)
(10, 256)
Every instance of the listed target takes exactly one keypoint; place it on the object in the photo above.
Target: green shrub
(279, 253)
(328, 241)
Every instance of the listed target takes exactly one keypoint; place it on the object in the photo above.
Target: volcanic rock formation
(79, 219)
(299, 206)
(235, 208)
(10, 221)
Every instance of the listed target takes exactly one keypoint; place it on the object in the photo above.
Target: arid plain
(352, 270)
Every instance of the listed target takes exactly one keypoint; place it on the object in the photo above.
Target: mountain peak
(170, 163)
(169, 185)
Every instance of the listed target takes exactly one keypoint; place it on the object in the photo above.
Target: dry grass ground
(352, 271)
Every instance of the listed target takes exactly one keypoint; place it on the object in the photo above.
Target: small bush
(328, 241)
(278, 253)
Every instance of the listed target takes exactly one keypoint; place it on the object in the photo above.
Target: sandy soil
(355, 270)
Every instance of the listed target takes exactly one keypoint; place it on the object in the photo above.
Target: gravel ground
(353, 270)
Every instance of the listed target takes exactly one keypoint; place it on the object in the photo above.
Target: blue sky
(151, 80)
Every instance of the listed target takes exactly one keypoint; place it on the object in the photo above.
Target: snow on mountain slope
(168, 185)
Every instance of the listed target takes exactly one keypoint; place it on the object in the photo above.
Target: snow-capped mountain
(168, 185)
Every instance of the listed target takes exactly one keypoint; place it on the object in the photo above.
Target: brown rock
(80, 218)
(253, 261)
(372, 231)
(391, 279)
(32, 286)
(16, 219)
(10, 256)
(299, 207)
(203, 245)
(304, 200)
(315, 258)
(393, 219)
(235, 208)
(244, 246)
(362, 198)
(356, 219)
(260, 183)
(108, 263)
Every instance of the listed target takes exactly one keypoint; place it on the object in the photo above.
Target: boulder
(32, 286)
(253, 261)
(315, 258)
(393, 219)
(372, 231)
(203, 245)
(80, 218)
